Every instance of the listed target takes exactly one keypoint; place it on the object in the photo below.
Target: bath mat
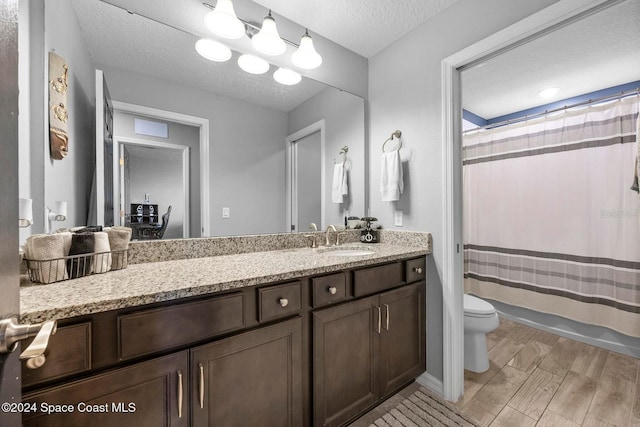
(423, 408)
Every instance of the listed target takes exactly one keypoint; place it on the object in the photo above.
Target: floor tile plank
(573, 398)
(509, 417)
(536, 393)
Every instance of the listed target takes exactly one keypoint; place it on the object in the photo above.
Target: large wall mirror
(150, 66)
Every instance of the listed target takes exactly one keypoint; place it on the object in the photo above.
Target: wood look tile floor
(540, 379)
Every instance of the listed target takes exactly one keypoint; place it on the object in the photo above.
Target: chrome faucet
(313, 226)
(330, 227)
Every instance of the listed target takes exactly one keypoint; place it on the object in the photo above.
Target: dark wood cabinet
(313, 351)
(345, 360)
(365, 350)
(152, 393)
(403, 337)
(251, 379)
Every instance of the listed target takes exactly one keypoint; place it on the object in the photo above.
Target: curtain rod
(622, 94)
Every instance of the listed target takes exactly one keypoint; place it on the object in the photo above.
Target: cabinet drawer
(329, 289)
(415, 270)
(158, 329)
(278, 301)
(374, 279)
(68, 353)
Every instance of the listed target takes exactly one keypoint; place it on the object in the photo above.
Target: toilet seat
(476, 307)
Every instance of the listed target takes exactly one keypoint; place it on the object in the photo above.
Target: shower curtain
(551, 222)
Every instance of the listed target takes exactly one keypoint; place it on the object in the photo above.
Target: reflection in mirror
(149, 64)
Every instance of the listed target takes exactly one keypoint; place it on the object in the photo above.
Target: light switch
(397, 219)
(225, 212)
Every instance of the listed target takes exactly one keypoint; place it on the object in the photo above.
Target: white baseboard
(432, 383)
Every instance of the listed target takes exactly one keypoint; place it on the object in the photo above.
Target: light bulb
(287, 77)
(213, 50)
(252, 64)
(268, 40)
(223, 21)
(306, 56)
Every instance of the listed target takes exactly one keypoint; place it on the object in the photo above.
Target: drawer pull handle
(283, 302)
(180, 394)
(201, 388)
(387, 322)
(332, 290)
(379, 330)
(417, 270)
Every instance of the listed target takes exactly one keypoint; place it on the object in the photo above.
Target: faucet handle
(314, 240)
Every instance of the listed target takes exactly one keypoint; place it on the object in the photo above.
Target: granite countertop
(147, 283)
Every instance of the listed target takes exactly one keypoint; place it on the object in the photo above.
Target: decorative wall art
(58, 116)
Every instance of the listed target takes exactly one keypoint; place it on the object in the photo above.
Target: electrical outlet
(225, 212)
(397, 219)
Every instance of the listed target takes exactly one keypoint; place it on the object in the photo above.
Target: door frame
(545, 21)
(292, 174)
(185, 119)
(118, 141)
(10, 376)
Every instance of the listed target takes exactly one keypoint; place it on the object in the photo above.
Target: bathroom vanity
(295, 337)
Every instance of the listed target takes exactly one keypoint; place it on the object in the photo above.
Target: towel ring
(343, 153)
(397, 134)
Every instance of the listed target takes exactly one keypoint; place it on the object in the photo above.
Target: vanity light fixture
(25, 213)
(213, 50)
(548, 92)
(306, 56)
(222, 20)
(268, 40)
(287, 77)
(253, 64)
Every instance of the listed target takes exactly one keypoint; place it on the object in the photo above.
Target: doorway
(155, 176)
(555, 16)
(306, 177)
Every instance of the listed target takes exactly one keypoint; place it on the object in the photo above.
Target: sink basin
(348, 252)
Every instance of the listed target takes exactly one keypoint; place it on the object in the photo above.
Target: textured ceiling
(363, 26)
(597, 52)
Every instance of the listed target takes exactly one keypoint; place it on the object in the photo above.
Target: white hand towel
(391, 180)
(48, 252)
(339, 188)
(102, 259)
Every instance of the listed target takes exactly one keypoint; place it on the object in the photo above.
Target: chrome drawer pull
(201, 386)
(180, 394)
(283, 302)
(418, 270)
(332, 290)
(379, 320)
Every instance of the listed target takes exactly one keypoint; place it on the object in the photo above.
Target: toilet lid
(474, 305)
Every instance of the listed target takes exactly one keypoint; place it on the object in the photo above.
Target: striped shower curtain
(551, 222)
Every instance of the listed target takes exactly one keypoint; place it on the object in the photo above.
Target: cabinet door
(402, 342)
(252, 379)
(345, 349)
(145, 394)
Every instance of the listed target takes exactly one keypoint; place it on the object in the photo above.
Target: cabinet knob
(283, 302)
(418, 270)
(332, 290)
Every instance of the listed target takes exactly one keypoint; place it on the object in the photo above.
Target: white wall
(247, 149)
(344, 125)
(70, 179)
(404, 94)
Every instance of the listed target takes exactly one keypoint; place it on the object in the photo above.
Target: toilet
(480, 317)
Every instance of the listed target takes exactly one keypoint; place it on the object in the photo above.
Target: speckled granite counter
(167, 280)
